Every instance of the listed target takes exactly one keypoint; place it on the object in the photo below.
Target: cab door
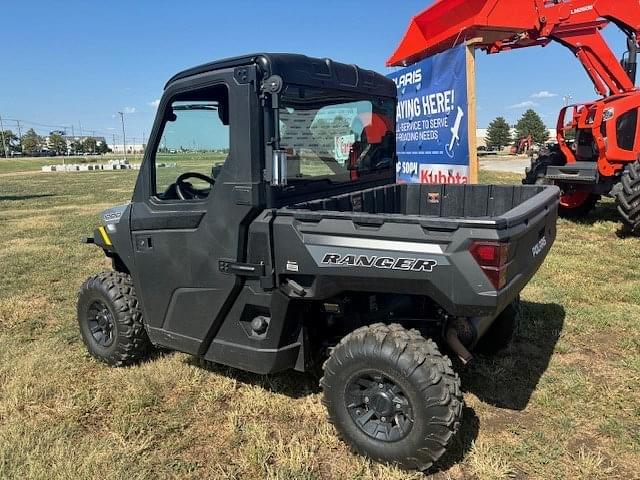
(184, 223)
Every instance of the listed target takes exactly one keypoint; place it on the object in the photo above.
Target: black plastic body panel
(278, 349)
(442, 207)
(303, 70)
(179, 244)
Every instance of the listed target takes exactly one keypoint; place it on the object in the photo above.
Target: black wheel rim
(379, 407)
(101, 323)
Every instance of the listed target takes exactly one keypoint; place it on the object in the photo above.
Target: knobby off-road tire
(627, 195)
(110, 320)
(400, 388)
(502, 331)
(535, 175)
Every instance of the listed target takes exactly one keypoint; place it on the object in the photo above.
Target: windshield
(333, 138)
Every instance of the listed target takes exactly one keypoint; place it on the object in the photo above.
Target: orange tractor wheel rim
(574, 199)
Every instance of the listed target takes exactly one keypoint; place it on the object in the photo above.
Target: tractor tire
(534, 175)
(110, 320)
(392, 396)
(538, 168)
(502, 331)
(627, 195)
(574, 205)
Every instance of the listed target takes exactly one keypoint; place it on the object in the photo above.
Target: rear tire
(574, 205)
(502, 331)
(627, 195)
(110, 320)
(392, 395)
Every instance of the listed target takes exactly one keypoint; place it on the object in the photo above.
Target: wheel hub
(100, 323)
(103, 321)
(379, 407)
(382, 403)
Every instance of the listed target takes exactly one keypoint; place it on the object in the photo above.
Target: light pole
(4, 145)
(124, 138)
(19, 133)
(567, 98)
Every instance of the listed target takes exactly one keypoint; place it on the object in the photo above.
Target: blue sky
(79, 62)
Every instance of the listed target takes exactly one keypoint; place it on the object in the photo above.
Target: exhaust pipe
(464, 333)
(453, 340)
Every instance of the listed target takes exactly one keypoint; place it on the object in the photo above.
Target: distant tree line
(530, 124)
(32, 144)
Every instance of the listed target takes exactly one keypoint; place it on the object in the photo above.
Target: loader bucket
(448, 23)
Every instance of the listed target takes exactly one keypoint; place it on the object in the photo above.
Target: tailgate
(530, 231)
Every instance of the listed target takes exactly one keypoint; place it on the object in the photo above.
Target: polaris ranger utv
(276, 238)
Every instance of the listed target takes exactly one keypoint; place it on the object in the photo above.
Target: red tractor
(524, 146)
(599, 141)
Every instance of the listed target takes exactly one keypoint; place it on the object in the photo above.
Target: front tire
(110, 320)
(392, 395)
(627, 195)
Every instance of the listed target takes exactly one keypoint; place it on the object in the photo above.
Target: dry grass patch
(86, 209)
(30, 225)
(562, 402)
(17, 310)
(488, 462)
(20, 246)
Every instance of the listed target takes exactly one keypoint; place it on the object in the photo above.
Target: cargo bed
(332, 239)
(447, 207)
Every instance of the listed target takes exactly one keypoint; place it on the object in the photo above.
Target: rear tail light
(493, 258)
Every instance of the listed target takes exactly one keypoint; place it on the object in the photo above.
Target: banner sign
(432, 133)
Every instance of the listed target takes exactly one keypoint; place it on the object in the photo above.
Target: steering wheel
(185, 190)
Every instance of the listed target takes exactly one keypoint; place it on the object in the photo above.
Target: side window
(626, 129)
(194, 145)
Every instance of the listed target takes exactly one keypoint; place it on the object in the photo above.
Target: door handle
(143, 243)
(241, 269)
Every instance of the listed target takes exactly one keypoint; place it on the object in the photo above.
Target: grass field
(562, 402)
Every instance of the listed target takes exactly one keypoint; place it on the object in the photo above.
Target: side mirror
(279, 168)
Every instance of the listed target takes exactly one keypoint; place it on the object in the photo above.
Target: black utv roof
(303, 70)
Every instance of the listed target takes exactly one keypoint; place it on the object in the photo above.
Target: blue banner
(432, 119)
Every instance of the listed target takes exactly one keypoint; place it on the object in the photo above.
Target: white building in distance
(46, 140)
(135, 148)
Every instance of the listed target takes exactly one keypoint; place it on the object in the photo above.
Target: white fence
(91, 167)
